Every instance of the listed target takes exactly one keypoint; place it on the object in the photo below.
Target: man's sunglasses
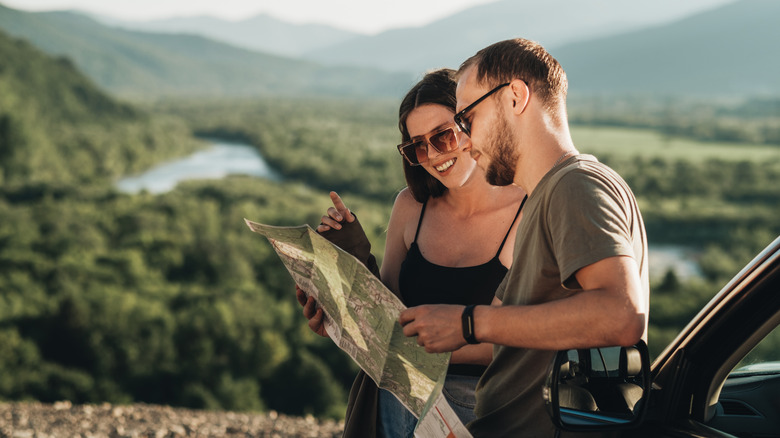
(460, 118)
(442, 141)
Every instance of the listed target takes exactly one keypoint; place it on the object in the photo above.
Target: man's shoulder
(587, 164)
(583, 185)
(585, 170)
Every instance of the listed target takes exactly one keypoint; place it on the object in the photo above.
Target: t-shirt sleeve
(589, 221)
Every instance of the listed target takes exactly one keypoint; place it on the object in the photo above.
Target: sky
(362, 16)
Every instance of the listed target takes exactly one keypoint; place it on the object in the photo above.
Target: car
(701, 385)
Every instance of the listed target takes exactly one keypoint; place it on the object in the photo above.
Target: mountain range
(57, 127)
(261, 33)
(553, 23)
(664, 47)
(142, 64)
(731, 50)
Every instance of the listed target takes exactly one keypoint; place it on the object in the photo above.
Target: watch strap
(467, 320)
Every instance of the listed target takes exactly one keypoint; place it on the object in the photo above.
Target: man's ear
(521, 94)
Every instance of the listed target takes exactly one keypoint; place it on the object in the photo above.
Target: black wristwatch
(467, 319)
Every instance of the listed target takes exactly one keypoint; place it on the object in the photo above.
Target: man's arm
(610, 310)
(481, 354)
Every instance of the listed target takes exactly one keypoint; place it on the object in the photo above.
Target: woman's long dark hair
(436, 87)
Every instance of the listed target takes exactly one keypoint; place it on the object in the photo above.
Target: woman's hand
(311, 312)
(336, 214)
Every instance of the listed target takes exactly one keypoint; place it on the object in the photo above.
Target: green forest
(114, 297)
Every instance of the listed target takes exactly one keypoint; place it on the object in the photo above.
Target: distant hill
(261, 33)
(553, 23)
(698, 47)
(142, 64)
(57, 127)
(730, 50)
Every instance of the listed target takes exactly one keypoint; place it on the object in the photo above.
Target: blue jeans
(459, 392)
(395, 421)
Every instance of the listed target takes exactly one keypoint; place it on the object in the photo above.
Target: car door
(699, 387)
(749, 403)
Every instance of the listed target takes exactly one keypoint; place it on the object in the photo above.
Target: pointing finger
(342, 209)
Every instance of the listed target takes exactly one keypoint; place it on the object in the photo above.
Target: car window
(765, 357)
(747, 403)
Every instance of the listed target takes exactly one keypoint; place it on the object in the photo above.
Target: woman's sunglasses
(442, 141)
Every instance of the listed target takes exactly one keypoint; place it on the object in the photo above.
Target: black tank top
(422, 282)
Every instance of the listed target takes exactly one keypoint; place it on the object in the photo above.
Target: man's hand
(311, 312)
(437, 326)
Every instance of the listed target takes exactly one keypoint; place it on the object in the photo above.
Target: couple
(506, 246)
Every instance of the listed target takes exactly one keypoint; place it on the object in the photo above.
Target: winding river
(222, 158)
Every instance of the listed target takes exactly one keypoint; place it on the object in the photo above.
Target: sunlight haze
(367, 17)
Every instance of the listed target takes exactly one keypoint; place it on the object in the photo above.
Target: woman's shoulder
(403, 219)
(511, 194)
(405, 200)
(405, 205)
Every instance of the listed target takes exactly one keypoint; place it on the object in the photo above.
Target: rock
(62, 419)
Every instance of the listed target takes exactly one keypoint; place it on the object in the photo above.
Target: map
(361, 317)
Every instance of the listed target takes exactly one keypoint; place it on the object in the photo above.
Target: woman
(449, 240)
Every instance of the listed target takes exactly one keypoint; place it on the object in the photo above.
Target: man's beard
(503, 154)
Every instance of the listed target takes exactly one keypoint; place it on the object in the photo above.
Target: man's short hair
(521, 59)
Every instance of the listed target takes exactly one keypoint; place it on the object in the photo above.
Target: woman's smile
(443, 167)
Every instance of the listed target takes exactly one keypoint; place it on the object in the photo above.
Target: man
(579, 277)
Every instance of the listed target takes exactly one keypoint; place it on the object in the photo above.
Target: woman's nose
(432, 152)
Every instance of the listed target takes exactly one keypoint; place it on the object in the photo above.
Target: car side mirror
(599, 388)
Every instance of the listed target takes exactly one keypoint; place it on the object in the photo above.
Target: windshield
(764, 358)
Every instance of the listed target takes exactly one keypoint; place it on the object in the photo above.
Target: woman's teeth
(445, 165)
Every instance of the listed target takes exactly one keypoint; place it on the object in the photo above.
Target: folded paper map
(361, 317)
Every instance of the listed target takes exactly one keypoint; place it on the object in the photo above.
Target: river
(680, 259)
(224, 158)
(221, 159)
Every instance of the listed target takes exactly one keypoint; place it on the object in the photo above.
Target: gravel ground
(63, 420)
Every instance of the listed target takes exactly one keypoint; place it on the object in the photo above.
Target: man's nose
(464, 143)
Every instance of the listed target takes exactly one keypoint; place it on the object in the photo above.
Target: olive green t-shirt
(580, 213)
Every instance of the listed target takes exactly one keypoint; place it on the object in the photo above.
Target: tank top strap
(510, 225)
(419, 221)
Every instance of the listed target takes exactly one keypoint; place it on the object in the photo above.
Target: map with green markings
(361, 314)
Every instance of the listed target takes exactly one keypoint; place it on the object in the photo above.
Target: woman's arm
(479, 354)
(398, 239)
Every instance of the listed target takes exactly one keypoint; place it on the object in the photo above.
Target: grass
(627, 142)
